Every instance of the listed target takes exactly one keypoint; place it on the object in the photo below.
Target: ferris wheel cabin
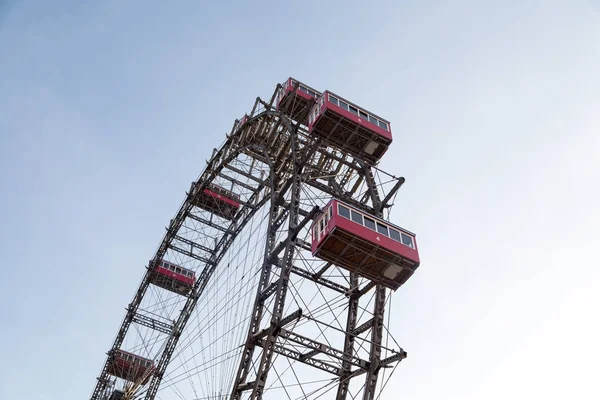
(172, 277)
(362, 243)
(295, 102)
(130, 367)
(350, 127)
(217, 200)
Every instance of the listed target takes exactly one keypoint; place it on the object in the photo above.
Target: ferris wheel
(273, 279)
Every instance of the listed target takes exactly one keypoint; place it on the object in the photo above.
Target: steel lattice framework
(272, 162)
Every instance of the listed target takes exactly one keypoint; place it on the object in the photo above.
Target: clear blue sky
(108, 111)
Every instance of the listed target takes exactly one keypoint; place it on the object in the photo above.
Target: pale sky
(495, 116)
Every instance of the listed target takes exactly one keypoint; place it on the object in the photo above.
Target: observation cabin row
(338, 121)
(357, 111)
(377, 226)
(303, 88)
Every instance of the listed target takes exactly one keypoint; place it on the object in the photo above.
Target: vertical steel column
(376, 338)
(258, 309)
(268, 343)
(342, 391)
(286, 268)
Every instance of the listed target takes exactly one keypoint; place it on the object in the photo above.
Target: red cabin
(217, 200)
(349, 127)
(364, 244)
(130, 367)
(172, 277)
(295, 103)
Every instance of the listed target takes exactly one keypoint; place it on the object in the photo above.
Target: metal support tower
(297, 164)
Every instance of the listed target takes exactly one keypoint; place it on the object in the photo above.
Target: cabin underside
(170, 283)
(131, 373)
(366, 259)
(296, 106)
(215, 206)
(350, 136)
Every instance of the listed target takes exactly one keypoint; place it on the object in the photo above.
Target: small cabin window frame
(343, 207)
(383, 229)
(355, 216)
(368, 117)
(411, 239)
(380, 227)
(371, 220)
(393, 232)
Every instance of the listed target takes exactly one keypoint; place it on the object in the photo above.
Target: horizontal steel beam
(152, 323)
(323, 348)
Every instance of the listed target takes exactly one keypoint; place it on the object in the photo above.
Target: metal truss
(288, 168)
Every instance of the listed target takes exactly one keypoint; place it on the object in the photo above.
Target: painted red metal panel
(288, 88)
(224, 199)
(174, 275)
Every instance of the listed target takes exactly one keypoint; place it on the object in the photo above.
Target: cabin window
(344, 211)
(382, 229)
(319, 229)
(353, 110)
(356, 217)
(333, 100)
(383, 125)
(363, 115)
(407, 240)
(372, 120)
(394, 234)
(369, 223)
(344, 105)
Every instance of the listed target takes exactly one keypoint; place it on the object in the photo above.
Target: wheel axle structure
(273, 279)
